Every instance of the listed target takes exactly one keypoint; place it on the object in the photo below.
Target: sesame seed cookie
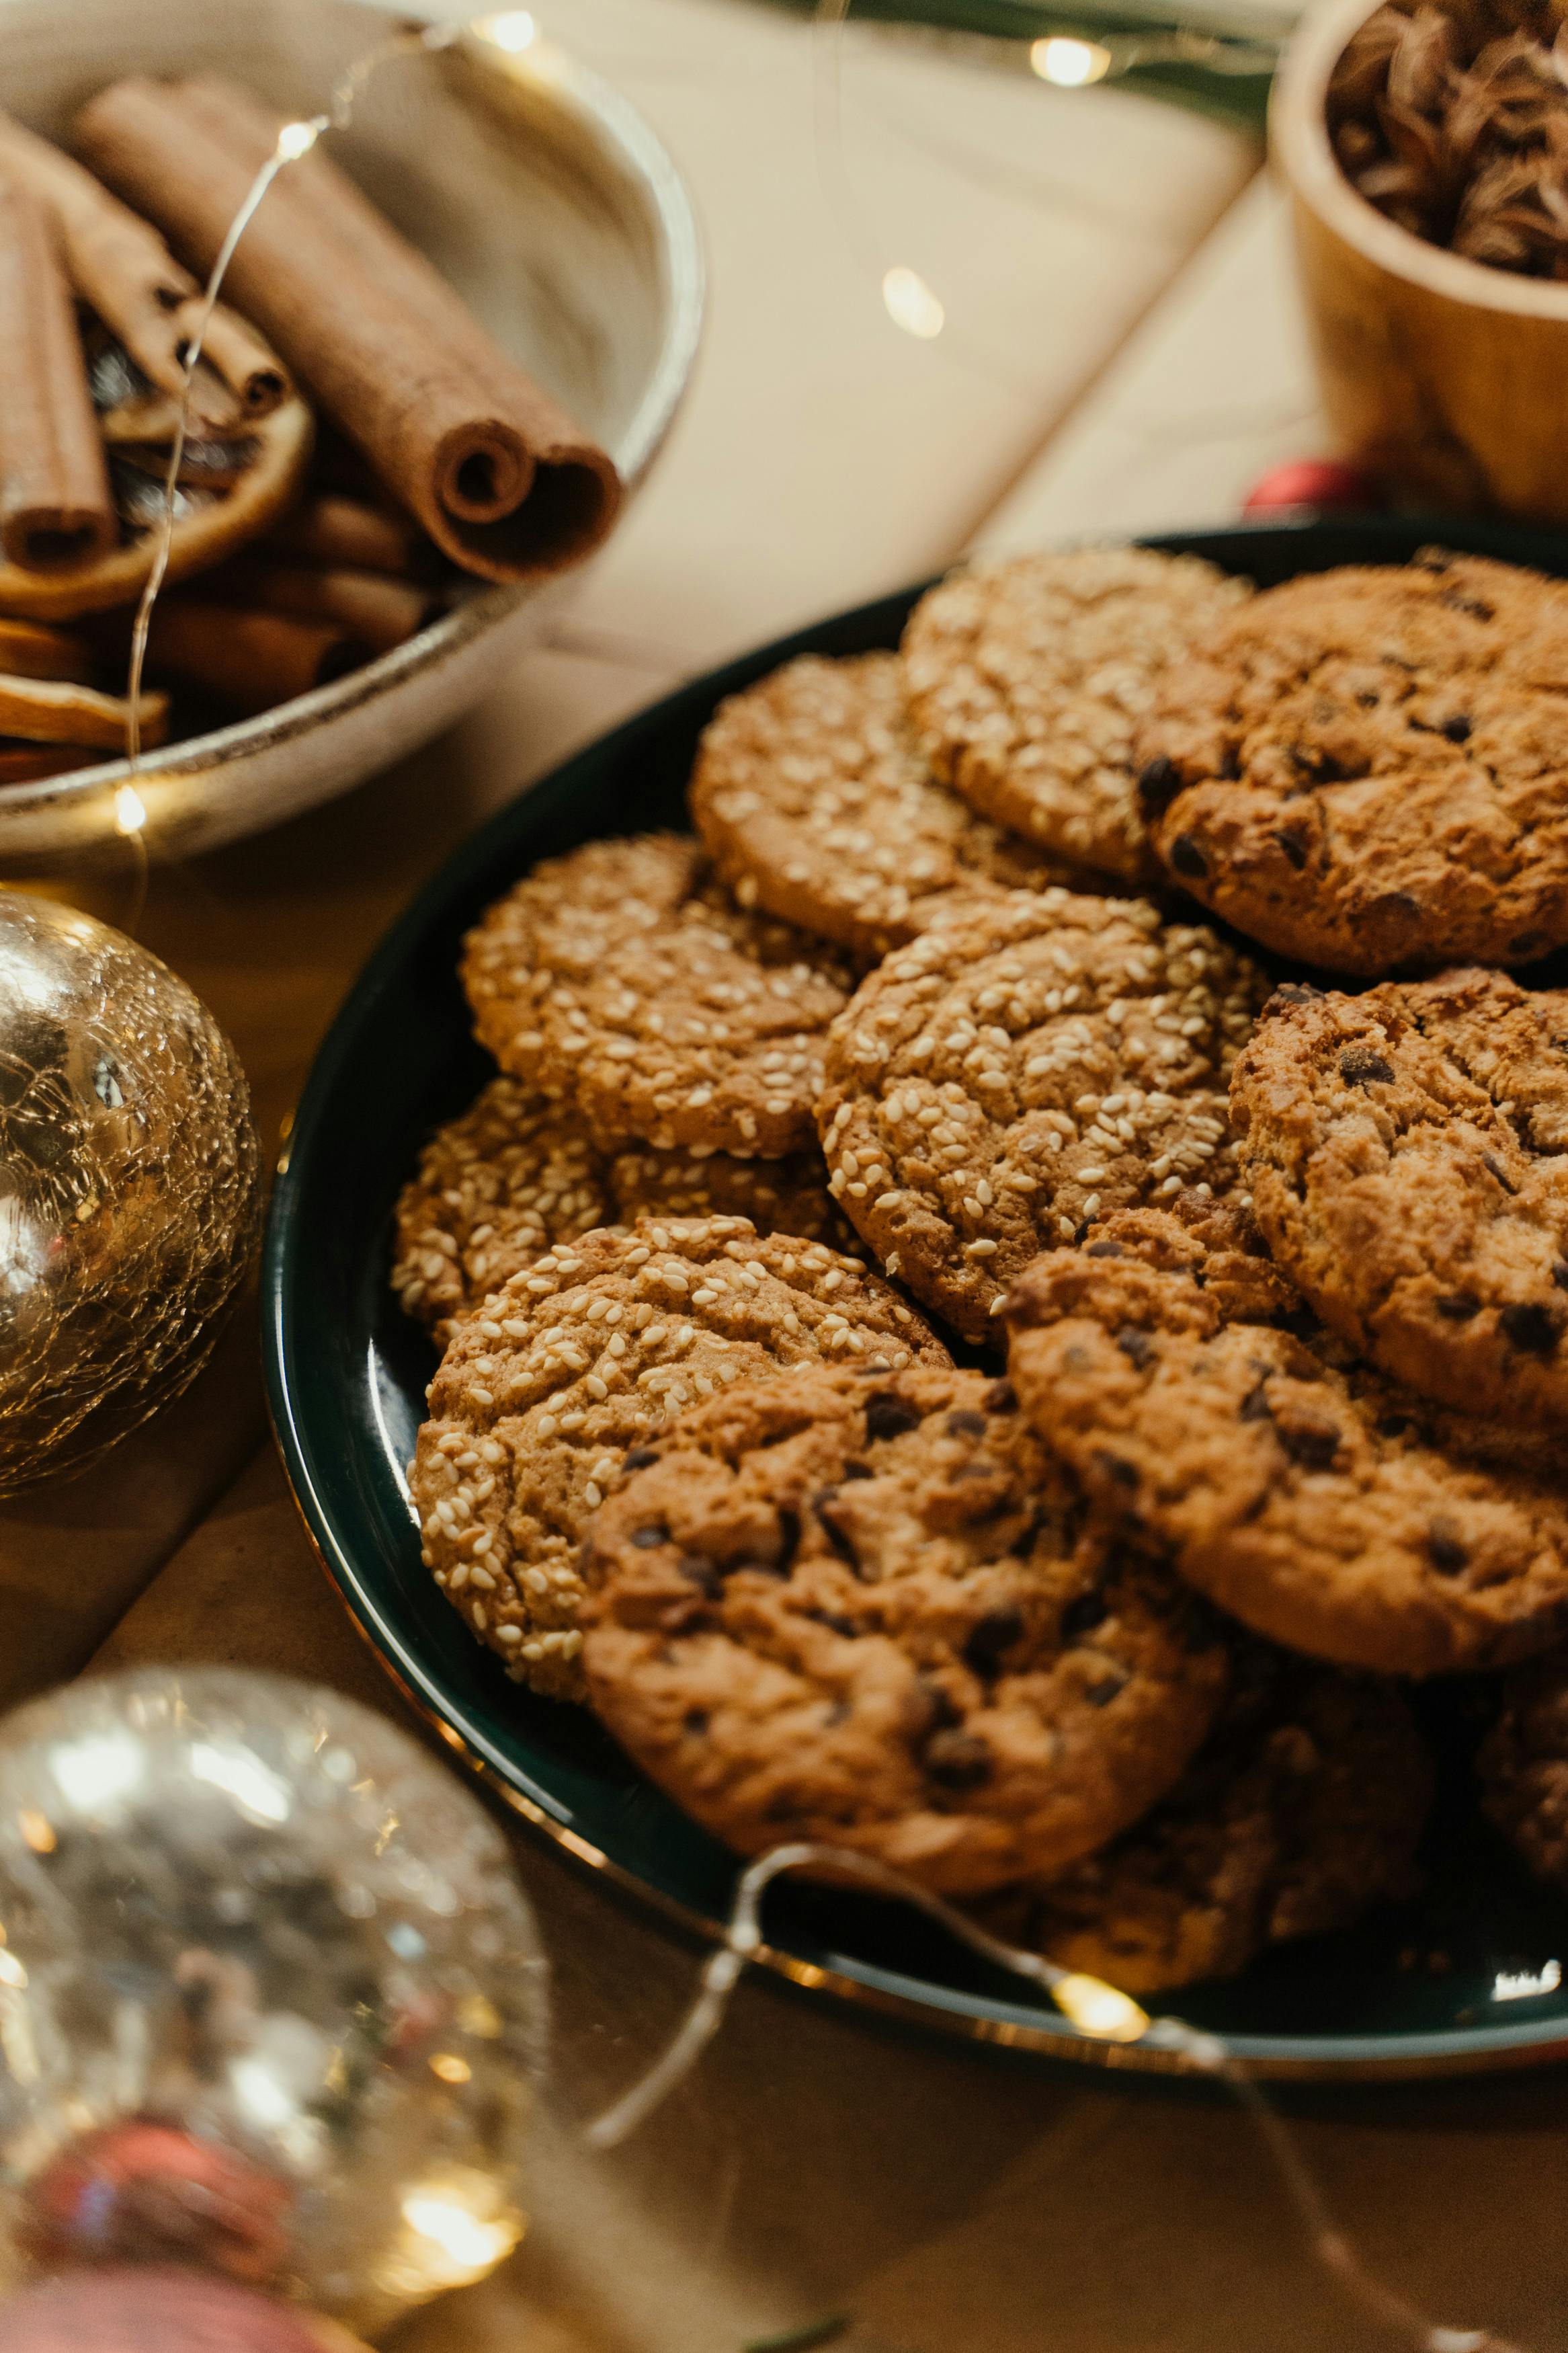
(780, 1197)
(871, 1610)
(1523, 1767)
(1407, 1152)
(495, 1188)
(585, 1353)
(1304, 1806)
(1028, 1063)
(622, 980)
(1028, 680)
(1366, 769)
(815, 804)
(1320, 1504)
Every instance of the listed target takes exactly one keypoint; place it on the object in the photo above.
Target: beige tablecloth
(1107, 370)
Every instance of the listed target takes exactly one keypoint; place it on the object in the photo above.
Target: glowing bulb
(297, 139)
(450, 2068)
(1068, 63)
(513, 32)
(1097, 2009)
(460, 2228)
(912, 304)
(130, 810)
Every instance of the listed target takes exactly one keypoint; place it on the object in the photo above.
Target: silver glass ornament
(272, 2004)
(129, 1185)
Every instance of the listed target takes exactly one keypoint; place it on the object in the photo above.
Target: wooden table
(1126, 364)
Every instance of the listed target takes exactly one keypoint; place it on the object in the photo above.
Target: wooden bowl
(1447, 377)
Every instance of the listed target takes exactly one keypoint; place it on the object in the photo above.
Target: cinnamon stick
(251, 660)
(46, 710)
(55, 507)
(339, 530)
(119, 264)
(28, 650)
(383, 613)
(501, 478)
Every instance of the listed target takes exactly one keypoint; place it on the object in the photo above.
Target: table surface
(1122, 352)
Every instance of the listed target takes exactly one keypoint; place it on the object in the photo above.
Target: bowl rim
(599, 107)
(1304, 157)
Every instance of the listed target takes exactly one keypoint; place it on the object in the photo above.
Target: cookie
(585, 1355)
(495, 1188)
(1027, 1063)
(871, 1610)
(1523, 1767)
(1218, 1242)
(1369, 767)
(1407, 1156)
(780, 1197)
(1323, 1506)
(1029, 681)
(622, 980)
(1303, 1806)
(814, 802)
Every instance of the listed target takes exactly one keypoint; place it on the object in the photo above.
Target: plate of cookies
(954, 1244)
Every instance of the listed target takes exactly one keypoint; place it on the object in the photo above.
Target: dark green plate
(1443, 1985)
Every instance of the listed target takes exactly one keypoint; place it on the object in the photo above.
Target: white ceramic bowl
(545, 199)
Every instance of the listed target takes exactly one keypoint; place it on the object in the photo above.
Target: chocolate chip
(1457, 729)
(638, 1460)
(1082, 1615)
(940, 1709)
(1186, 858)
(788, 1520)
(646, 1538)
(1536, 1329)
(1294, 847)
(1103, 1250)
(837, 1712)
(838, 1624)
(701, 1573)
(1493, 1168)
(1445, 1548)
(1123, 1473)
(695, 1721)
(1360, 1067)
(966, 1425)
(1393, 1425)
(1158, 782)
(1312, 1444)
(888, 1416)
(1560, 1273)
(1135, 1344)
(989, 1637)
(858, 1470)
(1109, 1687)
(1397, 903)
(1476, 610)
(822, 1504)
(1458, 1307)
(1529, 943)
(1085, 1225)
(957, 1760)
(1291, 992)
(1255, 1405)
(999, 1398)
(1230, 763)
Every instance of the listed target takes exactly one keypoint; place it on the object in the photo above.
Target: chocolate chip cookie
(1303, 1806)
(624, 980)
(582, 1357)
(1368, 768)
(495, 1188)
(815, 804)
(1029, 681)
(1408, 1154)
(871, 1610)
(1028, 1064)
(1523, 1767)
(1320, 1504)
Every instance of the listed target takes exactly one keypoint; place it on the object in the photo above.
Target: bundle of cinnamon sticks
(440, 449)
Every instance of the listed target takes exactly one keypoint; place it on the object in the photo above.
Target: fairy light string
(1094, 2009)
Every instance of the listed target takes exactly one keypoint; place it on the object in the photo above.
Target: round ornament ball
(130, 1186)
(161, 2311)
(272, 2003)
(1327, 483)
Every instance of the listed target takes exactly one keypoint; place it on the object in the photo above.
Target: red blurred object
(1313, 482)
(149, 2193)
(158, 2312)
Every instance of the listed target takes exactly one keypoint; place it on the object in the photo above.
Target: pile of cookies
(1258, 1284)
